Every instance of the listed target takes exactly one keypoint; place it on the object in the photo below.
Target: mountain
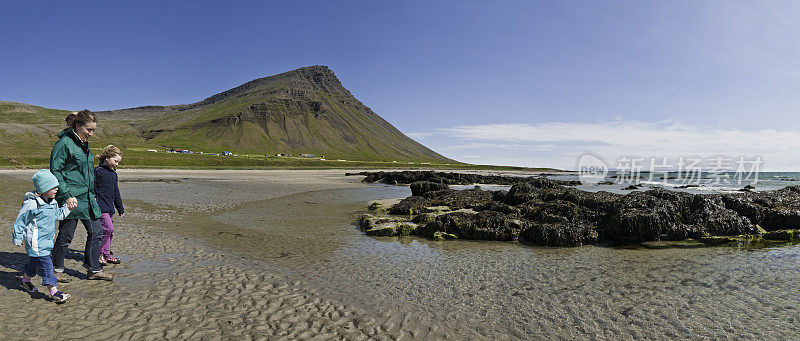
(301, 111)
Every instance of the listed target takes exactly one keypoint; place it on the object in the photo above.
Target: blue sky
(532, 83)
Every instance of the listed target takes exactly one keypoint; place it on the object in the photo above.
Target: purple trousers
(108, 232)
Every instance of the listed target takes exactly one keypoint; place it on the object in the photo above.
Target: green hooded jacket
(72, 163)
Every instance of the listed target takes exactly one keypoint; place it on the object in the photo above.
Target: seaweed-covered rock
(421, 187)
(483, 226)
(552, 212)
(368, 221)
(424, 218)
(385, 226)
(452, 178)
(783, 235)
(644, 216)
(709, 213)
(392, 229)
(411, 205)
(455, 199)
(559, 234)
(545, 212)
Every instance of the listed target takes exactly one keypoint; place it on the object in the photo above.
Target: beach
(276, 255)
(175, 286)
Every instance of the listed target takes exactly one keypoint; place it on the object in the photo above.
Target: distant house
(227, 153)
(178, 150)
(152, 151)
(307, 155)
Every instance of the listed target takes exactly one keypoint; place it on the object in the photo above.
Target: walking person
(72, 163)
(108, 198)
(35, 226)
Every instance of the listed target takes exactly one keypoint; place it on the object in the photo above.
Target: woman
(72, 163)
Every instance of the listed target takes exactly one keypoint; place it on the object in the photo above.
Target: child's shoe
(113, 260)
(27, 286)
(103, 261)
(59, 297)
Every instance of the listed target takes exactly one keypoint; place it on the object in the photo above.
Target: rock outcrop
(545, 212)
(408, 177)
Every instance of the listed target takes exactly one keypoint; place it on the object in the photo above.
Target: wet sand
(173, 285)
(275, 255)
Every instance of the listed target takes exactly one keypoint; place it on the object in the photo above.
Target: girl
(108, 198)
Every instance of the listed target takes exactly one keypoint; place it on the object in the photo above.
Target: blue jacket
(36, 222)
(107, 190)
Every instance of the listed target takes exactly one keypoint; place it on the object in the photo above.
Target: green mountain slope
(301, 111)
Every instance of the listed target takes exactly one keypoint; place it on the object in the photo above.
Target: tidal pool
(501, 289)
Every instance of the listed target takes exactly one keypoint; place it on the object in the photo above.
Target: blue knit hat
(44, 181)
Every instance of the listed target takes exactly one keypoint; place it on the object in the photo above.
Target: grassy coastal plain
(140, 158)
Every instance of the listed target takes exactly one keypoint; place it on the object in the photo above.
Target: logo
(591, 169)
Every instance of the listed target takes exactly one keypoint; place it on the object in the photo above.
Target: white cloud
(559, 144)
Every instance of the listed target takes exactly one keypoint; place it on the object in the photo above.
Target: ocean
(702, 182)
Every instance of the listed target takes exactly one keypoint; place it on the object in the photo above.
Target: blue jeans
(91, 253)
(43, 266)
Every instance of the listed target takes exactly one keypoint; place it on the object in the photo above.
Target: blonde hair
(108, 152)
(80, 118)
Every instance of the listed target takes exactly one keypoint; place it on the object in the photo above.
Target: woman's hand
(72, 203)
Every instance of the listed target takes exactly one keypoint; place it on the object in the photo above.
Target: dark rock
(559, 234)
(421, 187)
(483, 226)
(408, 177)
(708, 212)
(411, 205)
(424, 218)
(455, 199)
(747, 188)
(543, 212)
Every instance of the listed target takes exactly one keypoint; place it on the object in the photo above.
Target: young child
(108, 198)
(36, 224)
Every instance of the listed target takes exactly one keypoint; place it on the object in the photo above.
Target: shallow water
(511, 290)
